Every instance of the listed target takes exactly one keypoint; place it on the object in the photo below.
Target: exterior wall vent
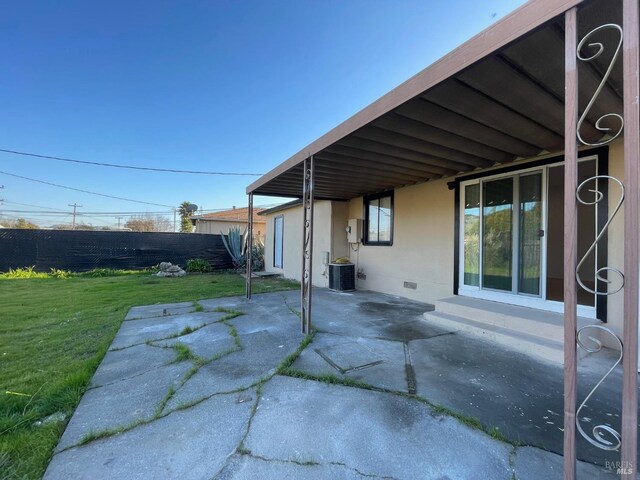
(411, 285)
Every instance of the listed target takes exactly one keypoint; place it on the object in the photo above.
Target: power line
(115, 213)
(130, 167)
(84, 191)
(29, 205)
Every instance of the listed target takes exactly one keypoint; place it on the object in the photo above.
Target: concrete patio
(229, 389)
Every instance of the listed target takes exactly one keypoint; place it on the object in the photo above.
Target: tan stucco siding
(292, 242)
(616, 237)
(423, 244)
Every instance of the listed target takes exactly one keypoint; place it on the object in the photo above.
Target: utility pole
(75, 206)
(174, 220)
(119, 218)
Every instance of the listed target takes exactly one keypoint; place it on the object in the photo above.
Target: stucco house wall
(615, 238)
(323, 241)
(423, 241)
(422, 250)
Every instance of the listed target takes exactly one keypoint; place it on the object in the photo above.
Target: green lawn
(53, 335)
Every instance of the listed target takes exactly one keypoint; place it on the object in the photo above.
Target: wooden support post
(249, 251)
(631, 94)
(306, 282)
(570, 241)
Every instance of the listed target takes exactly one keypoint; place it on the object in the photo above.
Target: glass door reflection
(497, 233)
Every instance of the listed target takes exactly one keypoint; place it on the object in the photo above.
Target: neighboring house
(221, 222)
(457, 176)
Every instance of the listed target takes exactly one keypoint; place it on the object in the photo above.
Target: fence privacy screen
(85, 250)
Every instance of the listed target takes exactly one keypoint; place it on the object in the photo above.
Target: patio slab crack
(239, 457)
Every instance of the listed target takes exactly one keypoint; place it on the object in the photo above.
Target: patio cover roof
(497, 98)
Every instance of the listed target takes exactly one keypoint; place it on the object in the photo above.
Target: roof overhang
(497, 98)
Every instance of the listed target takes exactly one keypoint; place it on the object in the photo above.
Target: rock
(169, 270)
(54, 418)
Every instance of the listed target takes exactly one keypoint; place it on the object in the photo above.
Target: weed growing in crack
(291, 309)
(233, 331)
(328, 378)
(187, 330)
(468, 420)
(183, 353)
(288, 361)
(163, 403)
(254, 409)
(197, 307)
(241, 450)
(109, 432)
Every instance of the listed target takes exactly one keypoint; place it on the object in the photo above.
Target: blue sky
(201, 85)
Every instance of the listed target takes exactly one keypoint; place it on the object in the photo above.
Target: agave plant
(234, 243)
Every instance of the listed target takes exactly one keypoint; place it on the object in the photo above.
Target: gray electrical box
(354, 230)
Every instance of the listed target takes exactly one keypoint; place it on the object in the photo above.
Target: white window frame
(278, 219)
(513, 297)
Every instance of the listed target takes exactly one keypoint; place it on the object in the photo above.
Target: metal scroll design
(602, 273)
(601, 431)
(599, 49)
(602, 436)
(307, 244)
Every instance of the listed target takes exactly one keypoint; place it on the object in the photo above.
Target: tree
(69, 226)
(148, 223)
(186, 212)
(24, 224)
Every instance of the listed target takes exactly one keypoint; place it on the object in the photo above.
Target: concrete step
(547, 349)
(531, 321)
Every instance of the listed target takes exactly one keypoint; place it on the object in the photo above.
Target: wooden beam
(361, 158)
(415, 129)
(462, 99)
(376, 146)
(631, 238)
(415, 144)
(432, 114)
(522, 20)
(382, 158)
(570, 242)
(331, 182)
(332, 166)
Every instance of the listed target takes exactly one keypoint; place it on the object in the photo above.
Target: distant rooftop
(233, 215)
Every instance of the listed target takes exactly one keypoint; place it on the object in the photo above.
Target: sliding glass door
(503, 226)
(530, 233)
(511, 236)
(497, 234)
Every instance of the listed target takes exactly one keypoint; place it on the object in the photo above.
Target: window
(278, 241)
(378, 219)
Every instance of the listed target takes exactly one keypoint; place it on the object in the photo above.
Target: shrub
(27, 272)
(98, 272)
(111, 272)
(198, 265)
(257, 258)
(58, 273)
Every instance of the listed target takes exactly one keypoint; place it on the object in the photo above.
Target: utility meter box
(354, 230)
